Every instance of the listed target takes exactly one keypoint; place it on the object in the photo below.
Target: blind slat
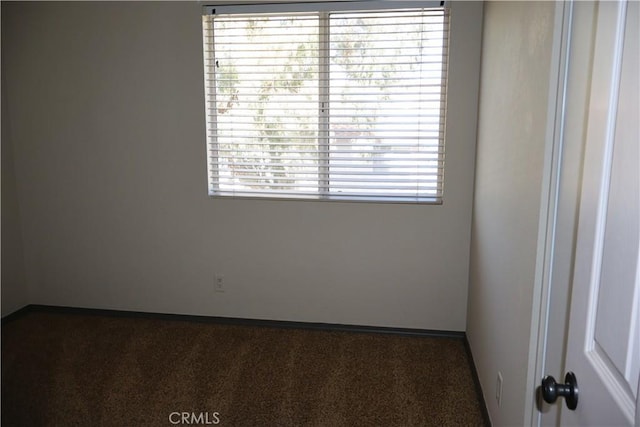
(294, 168)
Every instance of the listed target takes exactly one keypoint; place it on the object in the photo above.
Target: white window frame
(338, 6)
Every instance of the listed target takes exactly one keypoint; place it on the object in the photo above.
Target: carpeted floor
(87, 370)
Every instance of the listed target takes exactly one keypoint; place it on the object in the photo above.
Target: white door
(603, 349)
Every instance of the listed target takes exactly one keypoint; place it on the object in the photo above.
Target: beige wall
(107, 118)
(514, 103)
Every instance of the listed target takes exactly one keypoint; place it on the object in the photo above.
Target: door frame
(558, 207)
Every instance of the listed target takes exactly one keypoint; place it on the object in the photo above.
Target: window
(344, 104)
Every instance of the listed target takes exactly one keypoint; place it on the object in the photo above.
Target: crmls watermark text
(194, 418)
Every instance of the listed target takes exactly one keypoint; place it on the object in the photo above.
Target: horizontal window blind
(344, 105)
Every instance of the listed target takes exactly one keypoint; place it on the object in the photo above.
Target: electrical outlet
(499, 389)
(219, 283)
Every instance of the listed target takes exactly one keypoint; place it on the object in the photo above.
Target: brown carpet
(86, 370)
